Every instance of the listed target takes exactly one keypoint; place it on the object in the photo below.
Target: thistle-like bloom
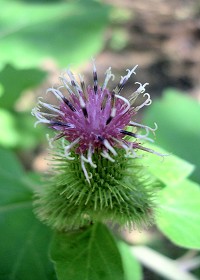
(99, 140)
(95, 118)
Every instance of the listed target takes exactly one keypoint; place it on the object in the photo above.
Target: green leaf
(132, 268)
(29, 136)
(87, 254)
(9, 164)
(169, 169)
(178, 214)
(10, 136)
(19, 131)
(24, 240)
(69, 32)
(177, 116)
(15, 81)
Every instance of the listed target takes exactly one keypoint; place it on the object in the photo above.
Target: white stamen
(89, 155)
(72, 78)
(41, 119)
(94, 66)
(135, 94)
(113, 112)
(140, 136)
(152, 151)
(66, 84)
(130, 153)
(125, 101)
(109, 75)
(81, 78)
(130, 72)
(109, 147)
(141, 88)
(57, 93)
(51, 107)
(120, 143)
(144, 126)
(68, 148)
(106, 155)
(147, 102)
(84, 170)
(82, 103)
(48, 114)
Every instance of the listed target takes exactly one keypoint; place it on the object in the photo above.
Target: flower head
(95, 118)
(98, 176)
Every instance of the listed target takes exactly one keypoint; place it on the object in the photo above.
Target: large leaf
(9, 164)
(15, 81)
(69, 32)
(29, 136)
(179, 214)
(87, 254)
(169, 168)
(18, 130)
(9, 136)
(24, 240)
(177, 116)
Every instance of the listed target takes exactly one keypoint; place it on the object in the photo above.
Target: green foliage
(28, 135)
(66, 31)
(169, 168)
(87, 254)
(18, 127)
(24, 240)
(178, 216)
(9, 164)
(18, 130)
(177, 116)
(178, 205)
(10, 136)
(14, 81)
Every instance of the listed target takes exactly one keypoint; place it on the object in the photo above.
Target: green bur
(119, 192)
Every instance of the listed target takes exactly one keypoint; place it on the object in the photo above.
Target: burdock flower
(97, 175)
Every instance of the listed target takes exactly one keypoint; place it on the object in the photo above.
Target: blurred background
(41, 38)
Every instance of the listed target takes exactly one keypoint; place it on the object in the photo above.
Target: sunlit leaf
(9, 164)
(69, 32)
(169, 168)
(9, 136)
(19, 131)
(179, 214)
(177, 116)
(87, 254)
(15, 81)
(29, 136)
